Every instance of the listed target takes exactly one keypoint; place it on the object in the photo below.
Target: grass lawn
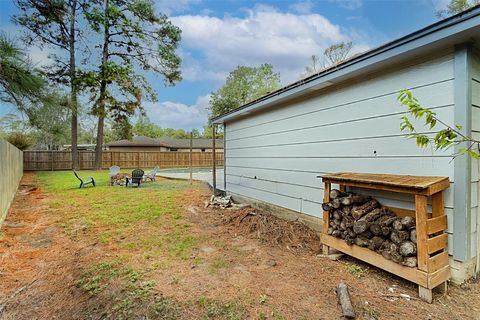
(122, 216)
(156, 252)
(142, 229)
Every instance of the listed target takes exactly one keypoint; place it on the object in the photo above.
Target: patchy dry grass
(146, 220)
(138, 224)
(157, 253)
(126, 290)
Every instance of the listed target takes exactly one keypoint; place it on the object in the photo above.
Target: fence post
(214, 160)
(51, 159)
(190, 157)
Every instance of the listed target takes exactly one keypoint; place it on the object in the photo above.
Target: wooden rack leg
(438, 210)
(326, 216)
(425, 294)
(421, 208)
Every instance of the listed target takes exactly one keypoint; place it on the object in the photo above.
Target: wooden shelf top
(393, 182)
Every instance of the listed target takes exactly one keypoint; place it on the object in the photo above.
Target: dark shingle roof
(169, 142)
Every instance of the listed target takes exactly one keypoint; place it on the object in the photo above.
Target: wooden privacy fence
(62, 160)
(11, 172)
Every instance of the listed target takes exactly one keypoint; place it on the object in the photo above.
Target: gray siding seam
(276, 181)
(334, 123)
(286, 169)
(275, 193)
(332, 140)
(275, 169)
(462, 164)
(304, 199)
(342, 105)
(306, 186)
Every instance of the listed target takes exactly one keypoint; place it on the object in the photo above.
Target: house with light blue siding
(347, 119)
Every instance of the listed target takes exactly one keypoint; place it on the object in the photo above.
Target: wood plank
(326, 216)
(393, 180)
(379, 187)
(438, 204)
(436, 224)
(402, 212)
(439, 276)
(437, 243)
(438, 261)
(369, 256)
(445, 184)
(421, 221)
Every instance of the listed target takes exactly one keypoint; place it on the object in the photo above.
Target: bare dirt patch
(78, 260)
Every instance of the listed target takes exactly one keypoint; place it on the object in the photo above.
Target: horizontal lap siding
(276, 155)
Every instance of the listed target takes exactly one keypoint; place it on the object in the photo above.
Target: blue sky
(219, 35)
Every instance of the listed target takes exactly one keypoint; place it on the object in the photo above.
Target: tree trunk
(73, 89)
(103, 91)
(99, 146)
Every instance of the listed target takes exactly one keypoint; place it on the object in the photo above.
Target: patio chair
(151, 174)
(113, 171)
(137, 176)
(84, 180)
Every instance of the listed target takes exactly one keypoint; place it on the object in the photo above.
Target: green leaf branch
(445, 138)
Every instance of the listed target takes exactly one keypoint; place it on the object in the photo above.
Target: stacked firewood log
(362, 220)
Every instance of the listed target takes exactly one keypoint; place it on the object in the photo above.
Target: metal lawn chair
(113, 171)
(84, 180)
(151, 174)
(137, 176)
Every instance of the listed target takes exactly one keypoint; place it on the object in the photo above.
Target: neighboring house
(347, 118)
(141, 143)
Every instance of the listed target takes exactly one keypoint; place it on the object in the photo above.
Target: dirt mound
(269, 229)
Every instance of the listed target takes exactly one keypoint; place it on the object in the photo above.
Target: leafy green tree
(23, 86)
(16, 131)
(337, 53)
(135, 39)
(53, 24)
(457, 6)
(208, 132)
(19, 139)
(243, 85)
(50, 122)
(145, 127)
(121, 129)
(20, 83)
(314, 67)
(444, 138)
(332, 55)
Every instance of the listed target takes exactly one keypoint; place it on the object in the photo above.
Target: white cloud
(212, 46)
(302, 7)
(178, 115)
(349, 4)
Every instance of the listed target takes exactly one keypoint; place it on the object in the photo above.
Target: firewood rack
(433, 269)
